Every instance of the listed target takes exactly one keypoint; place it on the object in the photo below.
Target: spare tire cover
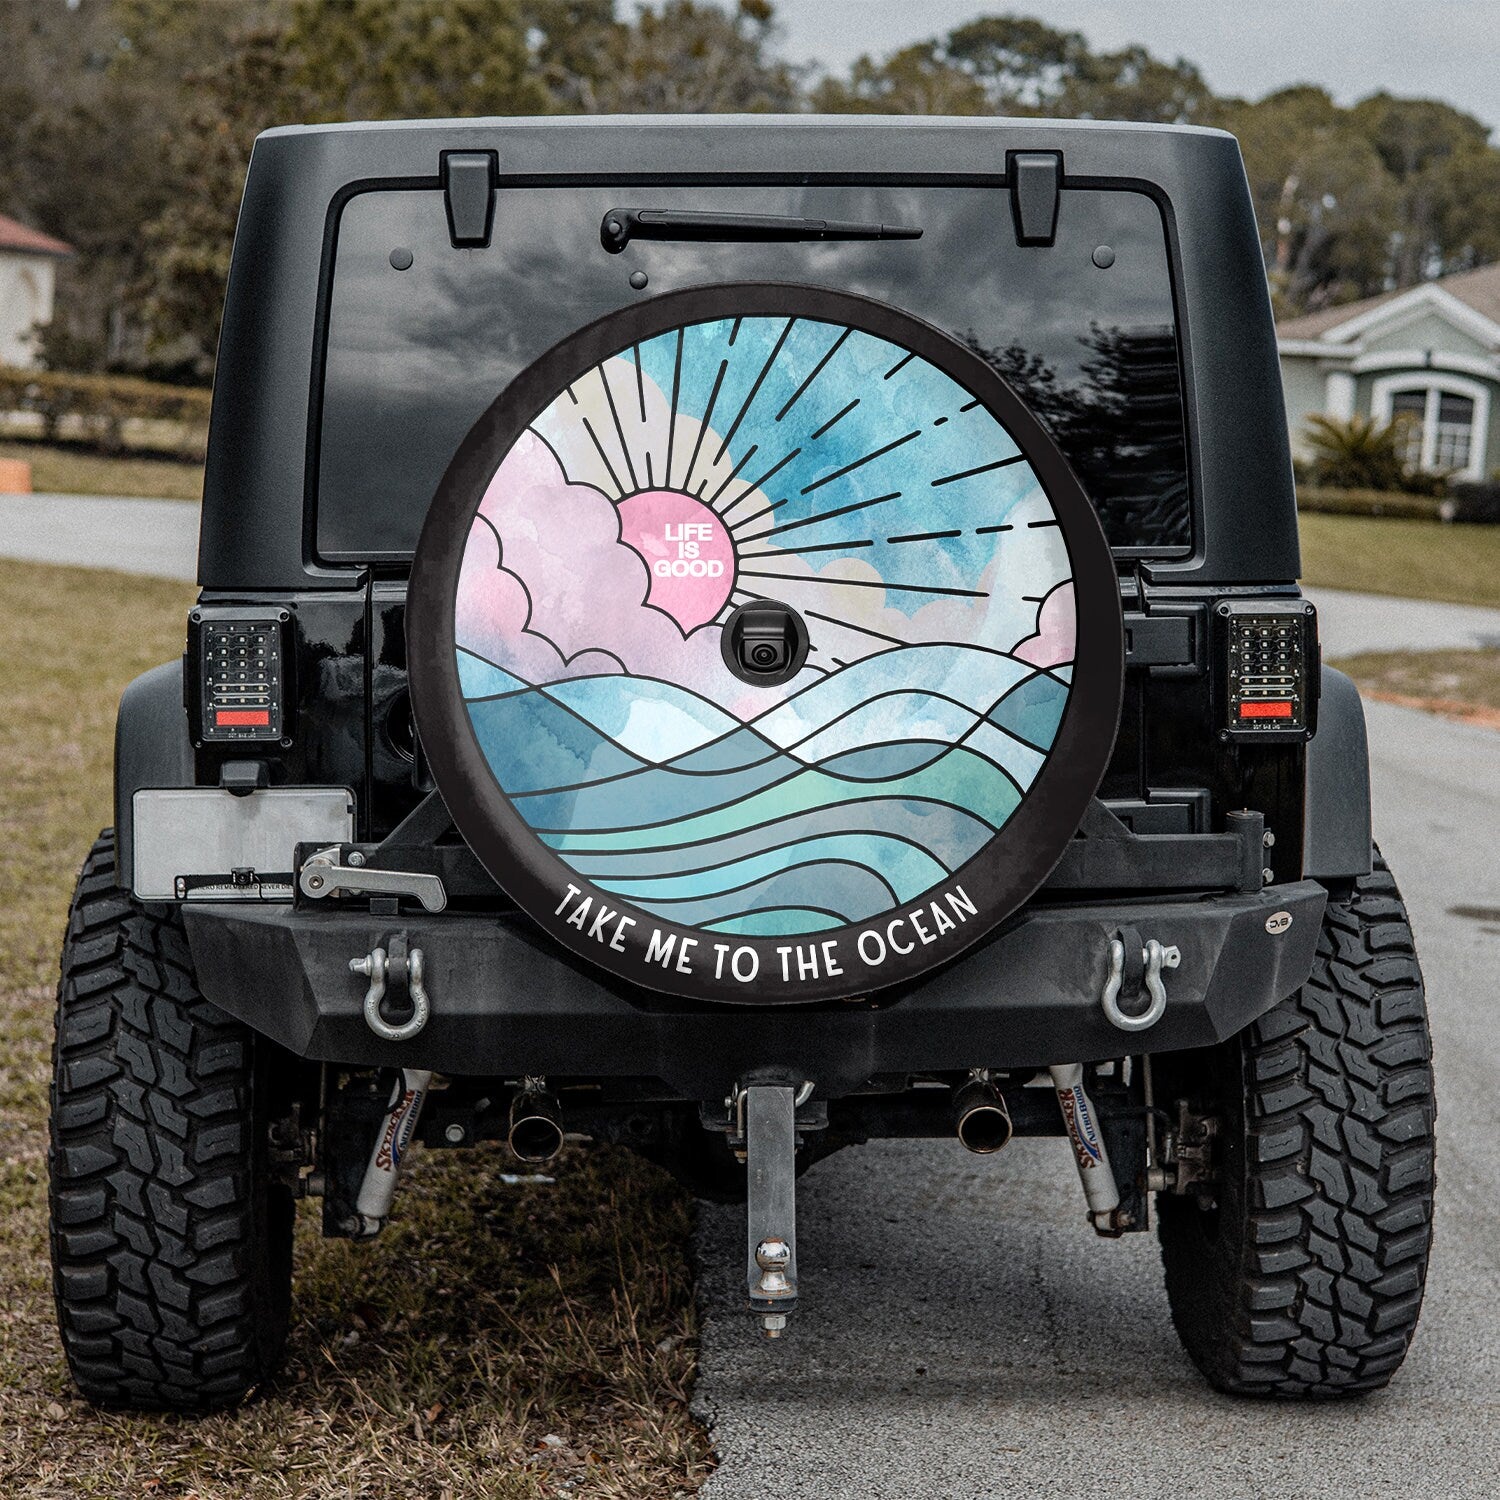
(846, 830)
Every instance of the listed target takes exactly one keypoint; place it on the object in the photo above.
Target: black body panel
(508, 1002)
(258, 530)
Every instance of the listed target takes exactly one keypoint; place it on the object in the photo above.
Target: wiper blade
(621, 225)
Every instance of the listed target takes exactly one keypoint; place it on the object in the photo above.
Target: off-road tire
(1305, 1277)
(171, 1245)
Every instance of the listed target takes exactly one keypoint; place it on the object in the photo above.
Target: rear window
(1083, 329)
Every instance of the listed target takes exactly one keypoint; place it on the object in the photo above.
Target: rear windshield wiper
(621, 225)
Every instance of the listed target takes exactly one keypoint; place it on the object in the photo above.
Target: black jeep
(738, 637)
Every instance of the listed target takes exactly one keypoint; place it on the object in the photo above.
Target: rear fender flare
(153, 748)
(1336, 841)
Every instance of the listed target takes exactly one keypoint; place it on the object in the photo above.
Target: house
(28, 261)
(1431, 353)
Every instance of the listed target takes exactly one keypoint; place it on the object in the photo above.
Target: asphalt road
(157, 537)
(1350, 622)
(962, 1333)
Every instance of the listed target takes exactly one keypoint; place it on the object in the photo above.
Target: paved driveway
(158, 537)
(1350, 622)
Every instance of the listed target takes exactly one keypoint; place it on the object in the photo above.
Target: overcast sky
(1445, 49)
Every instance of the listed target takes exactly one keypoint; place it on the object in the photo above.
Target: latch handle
(1035, 190)
(469, 179)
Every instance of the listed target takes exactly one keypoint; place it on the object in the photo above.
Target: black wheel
(171, 1245)
(1299, 1271)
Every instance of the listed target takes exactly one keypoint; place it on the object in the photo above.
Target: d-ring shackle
(376, 966)
(1156, 958)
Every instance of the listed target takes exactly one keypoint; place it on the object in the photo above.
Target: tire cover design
(695, 833)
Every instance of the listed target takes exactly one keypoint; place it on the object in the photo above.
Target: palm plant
(1357, 453)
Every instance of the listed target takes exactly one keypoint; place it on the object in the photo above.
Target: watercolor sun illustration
(811, 463)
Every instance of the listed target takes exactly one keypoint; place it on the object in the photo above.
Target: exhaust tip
(536, 1133)
(983, 1122)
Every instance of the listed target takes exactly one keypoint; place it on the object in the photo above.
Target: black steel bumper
(506, 1003)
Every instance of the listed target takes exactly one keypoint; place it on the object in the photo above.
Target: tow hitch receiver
(770, 1116)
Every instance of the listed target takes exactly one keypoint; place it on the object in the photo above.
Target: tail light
(236, 674)
(1268, 669)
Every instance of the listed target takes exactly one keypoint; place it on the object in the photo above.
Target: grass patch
(1460, 684)
(1410, 559)
(499, 1340)
(61, 469)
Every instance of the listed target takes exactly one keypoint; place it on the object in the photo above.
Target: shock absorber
(1100, 1190)
(376, 1193)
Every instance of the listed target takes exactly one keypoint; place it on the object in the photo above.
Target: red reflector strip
(1266, 710)
(242, 718)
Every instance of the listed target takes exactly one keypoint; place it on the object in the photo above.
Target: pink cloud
(548, 590)
(1056, 630)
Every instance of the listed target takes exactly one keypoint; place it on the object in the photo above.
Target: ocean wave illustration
(840, 803)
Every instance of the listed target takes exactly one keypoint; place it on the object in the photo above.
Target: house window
(1442, 420)
(1454, 432)
(1409, 409)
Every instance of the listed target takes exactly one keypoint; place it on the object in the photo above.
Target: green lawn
(1412, 559)
(1462, 683)
(433, 1362)
(70, 470)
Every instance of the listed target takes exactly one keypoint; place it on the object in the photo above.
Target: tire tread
(1312, 1284)
(170, 1250)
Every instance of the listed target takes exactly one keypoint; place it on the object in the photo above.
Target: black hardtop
(257, 531)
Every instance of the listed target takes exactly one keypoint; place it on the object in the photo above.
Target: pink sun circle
(687, 551)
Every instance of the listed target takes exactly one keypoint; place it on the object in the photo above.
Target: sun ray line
(758, 516)
(609, 396)
(859, 463)
(775, 468)
(599, 448)
(869, 583)
(765, 370)
(991, 530)
(672, 421)
(814, 547)
(640, 382)
(817, 370)
(833, 421)
(879, 635)
(900, 364)
(925, 536)
(826, 515)
(708, 412)
(999, 463)
(751, 486)
(750, 453)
